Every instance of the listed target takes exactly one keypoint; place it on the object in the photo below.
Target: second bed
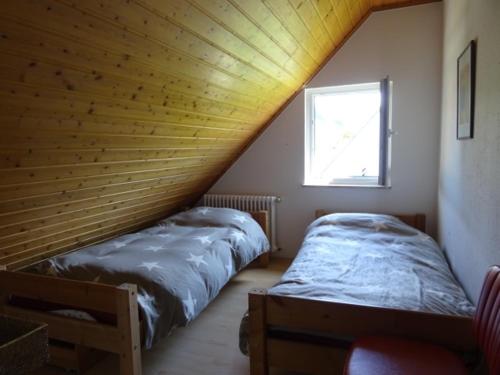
(356, 274)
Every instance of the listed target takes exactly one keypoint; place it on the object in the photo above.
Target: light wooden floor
(209, 346)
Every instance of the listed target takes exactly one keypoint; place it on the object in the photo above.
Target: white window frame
(383, 180)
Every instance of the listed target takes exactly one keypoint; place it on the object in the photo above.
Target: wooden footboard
(123, 338)
(312, 336)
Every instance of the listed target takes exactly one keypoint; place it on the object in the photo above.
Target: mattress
(372, 260)
(179, 265)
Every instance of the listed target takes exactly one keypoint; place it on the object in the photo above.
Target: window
(347, 135)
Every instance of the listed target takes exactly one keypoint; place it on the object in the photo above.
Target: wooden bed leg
(258, 332)
(264, 259)
(128, 325)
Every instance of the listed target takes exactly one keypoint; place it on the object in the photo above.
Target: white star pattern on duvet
(164, 235)
(51, 271)
(145, 299)
(238, 236)
(348, 242)
(196, 259)
(149, 265)
(119, 244)
(103, 257)
(189, 303)
(240, 218)
(204, 239)
(203, 211)
(153, 248)
(424, 237)
(378, 225)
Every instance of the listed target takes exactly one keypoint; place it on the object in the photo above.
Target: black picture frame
(466, 83)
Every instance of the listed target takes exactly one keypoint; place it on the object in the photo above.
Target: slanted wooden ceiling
(115, 113)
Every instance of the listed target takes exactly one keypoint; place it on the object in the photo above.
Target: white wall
(469, 184)
(404, 44)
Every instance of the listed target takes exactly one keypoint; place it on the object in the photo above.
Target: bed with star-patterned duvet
(371, 260)
(374, 260)
(179, 265)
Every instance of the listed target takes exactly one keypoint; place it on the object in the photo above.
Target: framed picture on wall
(466, 71)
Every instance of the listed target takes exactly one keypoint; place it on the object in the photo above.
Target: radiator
(248, 203)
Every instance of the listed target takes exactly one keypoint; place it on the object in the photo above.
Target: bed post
(420, 222)
(262, 218)
(264, 259)
(258, 332)
(3, 296)
(128, 326)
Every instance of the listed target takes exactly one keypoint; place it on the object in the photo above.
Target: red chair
(396, 356)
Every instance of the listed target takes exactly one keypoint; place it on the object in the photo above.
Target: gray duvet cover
(179, 265)
(375, 260)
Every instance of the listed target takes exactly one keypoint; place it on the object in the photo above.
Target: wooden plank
(381, 5)
(21, 239)
(39, 158)
(22, 175)
(80, 294)
(12, 230)
(128, 326)
(79, 234)
(352, 321)
(261, 15)
(65, 196)
(15, 68)
(76, 208)
(245, 29)
(75, 331)
(34, 189)
(87, 239)
(285, 13)
(109, 35)
(312, 21)
(258, 332)
(50, 101)
(41, 250)
(46, 51)
(197, 23)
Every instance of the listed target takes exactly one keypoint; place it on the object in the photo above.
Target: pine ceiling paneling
(115, 113)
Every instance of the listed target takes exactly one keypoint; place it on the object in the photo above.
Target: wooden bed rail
(122, 338)
(339, 323)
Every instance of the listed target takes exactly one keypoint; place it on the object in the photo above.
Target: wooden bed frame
(84, 341)
(313, 336)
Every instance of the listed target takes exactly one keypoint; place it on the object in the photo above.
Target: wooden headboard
(262, 217)
(414, 220)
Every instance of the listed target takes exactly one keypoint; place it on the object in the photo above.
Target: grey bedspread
(374, 260)
(179, 265)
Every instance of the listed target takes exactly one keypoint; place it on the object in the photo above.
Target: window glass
(343, 135)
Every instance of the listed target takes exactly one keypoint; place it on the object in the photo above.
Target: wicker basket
(23, 345)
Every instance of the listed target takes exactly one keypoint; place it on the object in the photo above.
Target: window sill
(348, 186)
